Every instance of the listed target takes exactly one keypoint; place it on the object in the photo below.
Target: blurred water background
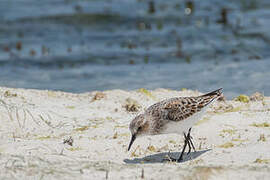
(85, 45)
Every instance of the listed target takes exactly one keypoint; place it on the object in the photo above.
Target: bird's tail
(216, 93)
(212, 96)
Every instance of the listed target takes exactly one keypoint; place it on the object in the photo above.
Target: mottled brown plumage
(175, 115)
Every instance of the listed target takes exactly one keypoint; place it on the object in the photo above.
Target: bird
(175, 115)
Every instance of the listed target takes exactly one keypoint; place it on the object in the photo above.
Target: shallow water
(86, 45)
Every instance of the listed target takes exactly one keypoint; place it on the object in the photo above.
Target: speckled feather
(178, 109)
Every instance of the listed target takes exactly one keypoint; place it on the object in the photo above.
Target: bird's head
(139, 126)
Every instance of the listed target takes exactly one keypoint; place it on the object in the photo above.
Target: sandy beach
(58, 135)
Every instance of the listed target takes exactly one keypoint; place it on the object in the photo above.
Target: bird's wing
(177, 109)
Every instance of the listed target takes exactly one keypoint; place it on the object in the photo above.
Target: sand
(58, 135)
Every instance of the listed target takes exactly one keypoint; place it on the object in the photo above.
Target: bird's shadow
(163, 157)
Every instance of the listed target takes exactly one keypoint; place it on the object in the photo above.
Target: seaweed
(44, 137)
(146, 92)
(83, 128)
(70, 107)
(262, 161)
(10, 94)
(242, 98)
(115, 135)
(262, 138)
(172, 142)
(74, 148)
(98, 96)
(227, 145)
(151, 148)
(256, 97)
(229, 131)
(132, 105)
(265, 124)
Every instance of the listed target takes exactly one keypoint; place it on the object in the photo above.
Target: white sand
(35, 123)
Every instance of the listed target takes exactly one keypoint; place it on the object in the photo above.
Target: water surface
(86, 45)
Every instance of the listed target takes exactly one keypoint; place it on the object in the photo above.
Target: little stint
(175, 115)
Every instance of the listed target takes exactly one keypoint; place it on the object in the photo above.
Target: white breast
(183, 126)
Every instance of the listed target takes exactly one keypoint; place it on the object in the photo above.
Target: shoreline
(232, 139)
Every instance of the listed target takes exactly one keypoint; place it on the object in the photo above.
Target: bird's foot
(172, 159)
(189, 151)
(176, 159)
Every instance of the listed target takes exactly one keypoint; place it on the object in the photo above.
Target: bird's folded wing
(181, 108)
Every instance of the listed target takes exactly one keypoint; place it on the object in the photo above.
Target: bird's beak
(131, 141)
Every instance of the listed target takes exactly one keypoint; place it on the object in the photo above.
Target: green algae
(265, 124)
(242, 98)
(83, 128)
(146, 92)
(226, 145)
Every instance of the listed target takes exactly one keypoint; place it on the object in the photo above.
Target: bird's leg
(170, 157)
(189, 147)
(188, 141)
(192, 144)
(183, 150)
(182, 153)
(189, 137)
